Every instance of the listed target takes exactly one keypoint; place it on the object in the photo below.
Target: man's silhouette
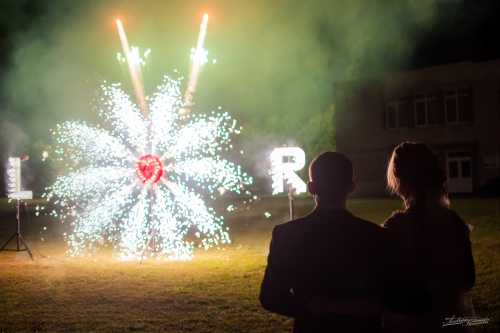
(329, 252)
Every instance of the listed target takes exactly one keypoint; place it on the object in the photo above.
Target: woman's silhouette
(431, 240)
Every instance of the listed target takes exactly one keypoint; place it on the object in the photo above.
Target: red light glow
(149, 169)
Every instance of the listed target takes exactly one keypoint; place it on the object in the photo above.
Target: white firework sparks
(142, 174)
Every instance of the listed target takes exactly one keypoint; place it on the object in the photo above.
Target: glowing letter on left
(14, 174)
(284, 162)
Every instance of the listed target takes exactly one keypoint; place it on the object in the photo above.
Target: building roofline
(424, 69)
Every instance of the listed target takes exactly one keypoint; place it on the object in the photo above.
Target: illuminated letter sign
(284, 162)
(14, 173)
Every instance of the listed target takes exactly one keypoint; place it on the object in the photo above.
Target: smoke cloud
(276, 60)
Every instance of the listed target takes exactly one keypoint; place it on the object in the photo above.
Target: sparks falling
(142, 177)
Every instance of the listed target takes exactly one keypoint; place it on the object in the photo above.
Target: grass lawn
(215, 292)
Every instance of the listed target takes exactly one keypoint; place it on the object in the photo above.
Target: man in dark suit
(329, 252)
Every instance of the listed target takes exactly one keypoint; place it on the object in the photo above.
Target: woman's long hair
(413, 169)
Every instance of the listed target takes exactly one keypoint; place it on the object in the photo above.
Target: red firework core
(149, 169)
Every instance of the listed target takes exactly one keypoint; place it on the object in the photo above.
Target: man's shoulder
(368, 229)
(292, 225)
(369, 224)
(336, 217)
(349, 219)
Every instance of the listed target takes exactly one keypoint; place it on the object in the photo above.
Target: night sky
(276, 60)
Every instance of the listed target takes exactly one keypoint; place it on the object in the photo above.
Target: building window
(458, 106)
(395, 113)
(425, 109)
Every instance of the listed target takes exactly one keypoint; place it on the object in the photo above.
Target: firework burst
(144, 178)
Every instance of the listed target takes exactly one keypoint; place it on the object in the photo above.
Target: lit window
(425, 109)
(395, 113)
(458, 106)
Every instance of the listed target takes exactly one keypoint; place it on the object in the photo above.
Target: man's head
(331, 177)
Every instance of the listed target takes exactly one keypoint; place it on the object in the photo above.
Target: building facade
(455, 109)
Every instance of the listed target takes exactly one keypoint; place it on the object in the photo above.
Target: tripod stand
(19, 237)
(151, 238)
(152, 235)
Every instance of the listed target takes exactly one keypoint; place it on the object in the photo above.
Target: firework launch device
(14, 175)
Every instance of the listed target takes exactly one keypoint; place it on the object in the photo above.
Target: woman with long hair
(431, 240)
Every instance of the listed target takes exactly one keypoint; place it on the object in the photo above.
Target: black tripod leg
(8, 241)
(27, 248)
